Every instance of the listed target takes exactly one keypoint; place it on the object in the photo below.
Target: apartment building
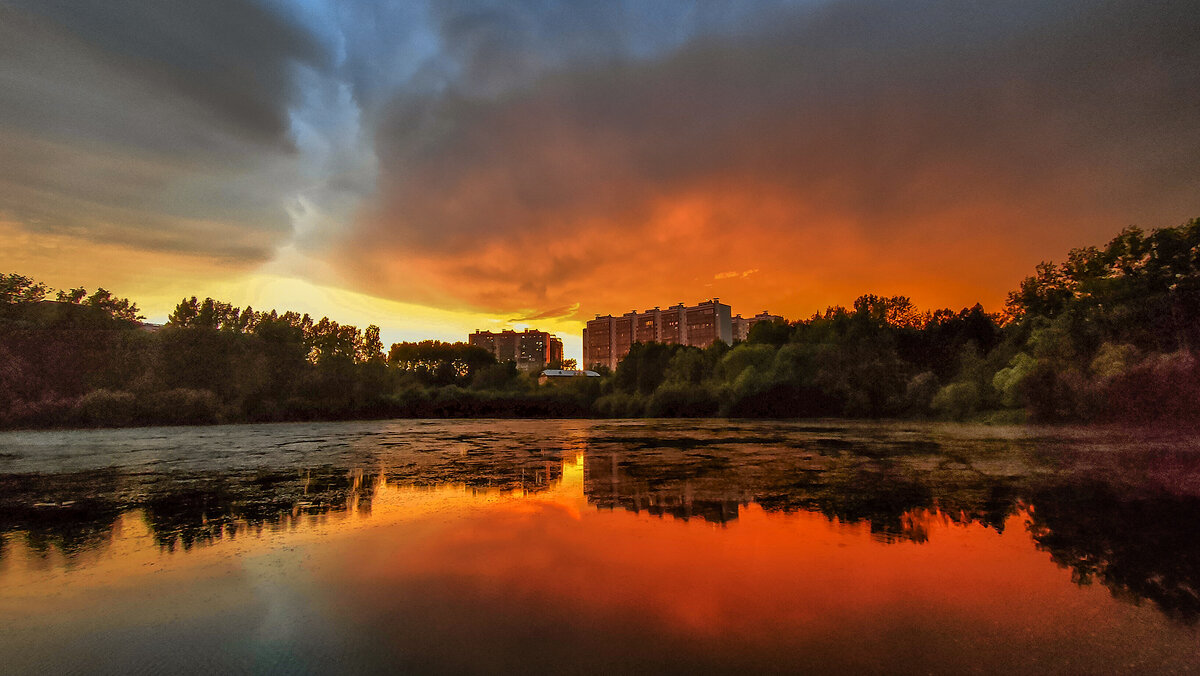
(607, 339)
(530, 349)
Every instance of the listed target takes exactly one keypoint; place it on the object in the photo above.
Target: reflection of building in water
(607, 487)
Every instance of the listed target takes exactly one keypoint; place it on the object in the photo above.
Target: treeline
(88, 360)
(1111, 335)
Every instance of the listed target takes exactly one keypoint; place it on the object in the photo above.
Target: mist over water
(599, 546)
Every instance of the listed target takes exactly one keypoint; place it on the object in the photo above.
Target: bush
(182, 406)
(919, 393)
(620, 405)
(107, 408)
(681, 401)
(499, 376)
(49, 412)
(1165, 387)
(1009, 381)
(958, 400)
(1057, 395)
(1113, 360)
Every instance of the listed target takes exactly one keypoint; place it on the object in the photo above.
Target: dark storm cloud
(526, 156)
(162, 124)
(1056, 122)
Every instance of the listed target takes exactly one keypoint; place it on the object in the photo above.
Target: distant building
(561, 375)
(741, 325)
(607, 339)
(530, 349)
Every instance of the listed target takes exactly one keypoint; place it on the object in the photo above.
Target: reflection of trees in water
(1097, 513)
(849, 487)
(1138, 546)
(69, 513)
(72, 513)
(1135, 538)
(186, 511)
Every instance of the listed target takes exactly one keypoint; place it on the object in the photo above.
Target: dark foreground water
(599, 547)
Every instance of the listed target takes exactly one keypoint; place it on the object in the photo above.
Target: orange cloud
(835, 156)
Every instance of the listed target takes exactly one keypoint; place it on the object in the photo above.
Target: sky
(439, 166)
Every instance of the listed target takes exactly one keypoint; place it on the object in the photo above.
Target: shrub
(182, 406)
(107, 408)
(681, 401)
(1163, 387)
(919, 393)
(957, 400)
(1009, 381)
(621, 405)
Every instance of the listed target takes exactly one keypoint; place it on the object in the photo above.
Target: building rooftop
(563, 373)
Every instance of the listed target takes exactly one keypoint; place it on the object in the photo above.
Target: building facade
(741, 325)
(530, 349)
(607, 339)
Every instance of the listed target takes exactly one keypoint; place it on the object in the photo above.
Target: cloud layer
(541, 158)
(162, 125)
(850, 146)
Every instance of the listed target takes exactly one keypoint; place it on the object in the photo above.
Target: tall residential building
(607, 339)
(530, 349)
(741, 325)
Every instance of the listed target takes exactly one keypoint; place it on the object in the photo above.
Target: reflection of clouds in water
(281, 483)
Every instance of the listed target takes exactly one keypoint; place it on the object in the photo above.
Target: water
(599, 546)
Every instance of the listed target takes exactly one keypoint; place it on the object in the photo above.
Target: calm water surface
(599, 546)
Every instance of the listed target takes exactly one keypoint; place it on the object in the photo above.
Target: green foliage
(919, 393)
(745, 362)
(770, 333)
(682, 400)
(645, 367)
(958, 401)
(1113, 360)
(1009, 381)
(499, 376)
(1140, 289)
(117, 308)
(620, 405)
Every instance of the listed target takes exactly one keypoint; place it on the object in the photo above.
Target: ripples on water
(586, 546)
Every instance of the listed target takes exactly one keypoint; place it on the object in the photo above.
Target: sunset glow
(438, 168)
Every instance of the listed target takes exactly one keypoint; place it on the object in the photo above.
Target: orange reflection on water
(453, 578)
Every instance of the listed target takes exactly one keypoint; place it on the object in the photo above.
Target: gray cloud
(159, 124)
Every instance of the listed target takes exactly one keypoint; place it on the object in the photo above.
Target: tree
(369, 347)
(117, 308)
(433, 362)
(16, 288)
